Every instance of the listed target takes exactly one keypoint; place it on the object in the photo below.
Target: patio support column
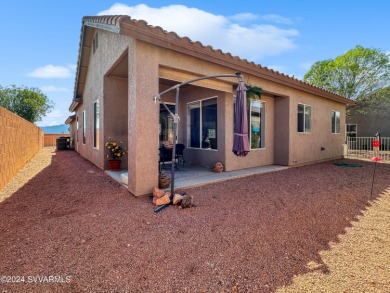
(228, 111)
(142, 119)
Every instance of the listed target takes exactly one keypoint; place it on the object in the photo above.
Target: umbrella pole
(373, 176)
(175, 123)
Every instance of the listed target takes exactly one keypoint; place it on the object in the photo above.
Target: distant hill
(56, 129)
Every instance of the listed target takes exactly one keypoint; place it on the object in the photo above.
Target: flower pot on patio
(164, 181)
(114, 165)
(218, 167)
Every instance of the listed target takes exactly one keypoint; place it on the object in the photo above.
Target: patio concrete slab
(191, 175)
(195, 176)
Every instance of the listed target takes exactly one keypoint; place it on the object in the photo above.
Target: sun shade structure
(176, 116)
(241, 142)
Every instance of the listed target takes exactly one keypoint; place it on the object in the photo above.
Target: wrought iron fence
(361, 148)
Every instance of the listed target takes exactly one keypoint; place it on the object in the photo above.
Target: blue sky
(40, 39)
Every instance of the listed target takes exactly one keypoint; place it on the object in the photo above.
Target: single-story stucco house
(123, 63)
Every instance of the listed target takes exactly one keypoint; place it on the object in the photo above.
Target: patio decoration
(187, 201)
(218, 167)
(175, 116)
(376, 143)
(114, 165)
(164, 181)
(253, 91)
(163, 199)
(343, 164)
(116, 152)
(241, 142)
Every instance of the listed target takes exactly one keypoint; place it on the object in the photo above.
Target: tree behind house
(375, 104)
(357, 73)
(29, 103)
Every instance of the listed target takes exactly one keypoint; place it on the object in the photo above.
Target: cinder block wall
(51, 139)
(20, 140)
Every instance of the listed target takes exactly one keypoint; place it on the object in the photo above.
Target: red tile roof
(140, 29)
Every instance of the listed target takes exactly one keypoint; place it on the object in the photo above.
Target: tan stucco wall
(256, 157)
(293, 148)
(100, 62)
(283, 144)
(281, 130)
(306, 147)
(115, 113)
(143, 119)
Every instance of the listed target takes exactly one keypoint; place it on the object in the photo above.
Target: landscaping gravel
(71, 228)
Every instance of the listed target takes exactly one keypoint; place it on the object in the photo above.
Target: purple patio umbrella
(240, 141)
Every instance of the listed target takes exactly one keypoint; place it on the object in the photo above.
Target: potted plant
(253, 91)
(116, 152)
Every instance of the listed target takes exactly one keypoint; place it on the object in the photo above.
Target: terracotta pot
(218, 167)
(114, 164)
(164, 181)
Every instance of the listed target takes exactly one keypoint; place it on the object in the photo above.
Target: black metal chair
(165, 155)
(180, 153)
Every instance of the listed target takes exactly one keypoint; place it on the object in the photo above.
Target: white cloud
(277, 19)
(50, 88)
(242, 17)
(72, 67)
(306, 65)
(253, 42)
(55, 117)
(51, 71)
(280, 68)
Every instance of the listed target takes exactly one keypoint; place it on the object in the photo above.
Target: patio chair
(165, 155)
(179, 153)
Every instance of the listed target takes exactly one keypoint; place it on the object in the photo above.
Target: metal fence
(361, 148)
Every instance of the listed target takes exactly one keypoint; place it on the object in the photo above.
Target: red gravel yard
(71, 228)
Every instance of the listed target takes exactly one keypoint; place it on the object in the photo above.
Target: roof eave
(70, 119)
(73, 106)
(140, 30)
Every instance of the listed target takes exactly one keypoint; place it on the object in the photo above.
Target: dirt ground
(66, 226)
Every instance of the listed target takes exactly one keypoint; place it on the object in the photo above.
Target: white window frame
(77, 129)
(96, 143)
(84, 127)
(347, 132)
(159, 126)
(334, 130)
(262, 121)
(201, 126)
(304, 120)
(95, 42)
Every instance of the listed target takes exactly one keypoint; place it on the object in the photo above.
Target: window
(256, 122)
(84, 127)
(202, 124)
(166, 125)
(95, 43)
(304, 118)
(351, 130)
(335, 122)
(96, 127)
(77, 128)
